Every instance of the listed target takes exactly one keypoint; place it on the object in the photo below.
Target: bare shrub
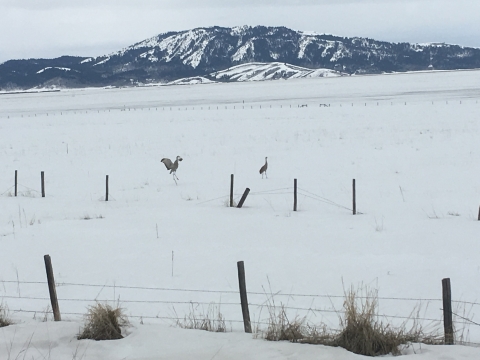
(297, 329)
(280, 327)
(363, 333)
(461, 328)
(88, 217)
(4, 318)
(210, 320)
(102, 322)
(47, 314)
(361, 330)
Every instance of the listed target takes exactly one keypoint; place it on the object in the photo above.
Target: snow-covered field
(411, 141)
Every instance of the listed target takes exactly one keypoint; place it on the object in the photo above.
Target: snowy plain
(411, 142)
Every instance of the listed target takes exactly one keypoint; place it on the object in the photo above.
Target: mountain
(207, 52)
(269, 71)
(258, 72)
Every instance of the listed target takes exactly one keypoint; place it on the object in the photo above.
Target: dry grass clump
(210, 320)
(280, 327)
(361, 331)
(102, 322)
(4, 318)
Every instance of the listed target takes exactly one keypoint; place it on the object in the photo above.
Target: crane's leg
(175, 176)
(266, 174)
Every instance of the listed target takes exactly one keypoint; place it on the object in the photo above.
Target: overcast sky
(52, 28)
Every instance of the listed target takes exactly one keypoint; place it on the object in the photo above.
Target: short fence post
(42, 175)
(51, 288)
(231, 190)
(447, 311)
(478, 211)
(106, 188)
(294, 194)
(243, 297)
(16, 183)
(244, 196)
(354, 198)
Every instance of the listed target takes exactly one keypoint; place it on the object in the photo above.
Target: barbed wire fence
(149, 307)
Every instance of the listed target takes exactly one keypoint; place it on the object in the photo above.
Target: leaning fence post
(354, 198)
(244, 196)
(42, 175)
(16, 183)
(106, 188)
(51, 288)
(447, 311)
(294, 194)
(243, 297)
(231, 190)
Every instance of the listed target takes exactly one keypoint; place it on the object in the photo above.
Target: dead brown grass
(102, 322)
(4, 318)
(364, 333)
(210, 320)
(361, 329)
(280, 327)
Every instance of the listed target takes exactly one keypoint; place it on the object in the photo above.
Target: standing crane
(263, 169)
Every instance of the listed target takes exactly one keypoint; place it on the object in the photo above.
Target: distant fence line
(280, 191)
(238, 106)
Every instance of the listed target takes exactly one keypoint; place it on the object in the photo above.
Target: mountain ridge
(203, 51)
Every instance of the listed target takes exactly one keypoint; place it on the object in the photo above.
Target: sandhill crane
(172, 166)
(263, 169)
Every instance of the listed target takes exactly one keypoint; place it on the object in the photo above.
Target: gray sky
(51, 28)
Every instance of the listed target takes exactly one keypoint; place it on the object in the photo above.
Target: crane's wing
(168, 163)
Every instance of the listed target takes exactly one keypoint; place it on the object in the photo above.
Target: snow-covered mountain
(203, 51)
(258, 72)
(270, 71)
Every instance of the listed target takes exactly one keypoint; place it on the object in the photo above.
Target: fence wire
(263, 293)
(267, 304)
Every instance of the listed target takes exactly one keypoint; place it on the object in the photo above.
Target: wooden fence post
(231, 190)
(294, 194)
(447, 311)
(51, 288)
(243, 297)
(354, 198)
(244, 196)
(42, 175)
(106, 188)
(16, 183)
